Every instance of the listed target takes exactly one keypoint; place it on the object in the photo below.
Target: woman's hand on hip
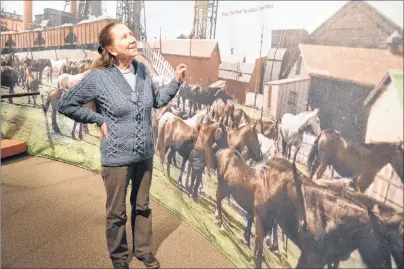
(103, 131)
(180, 72)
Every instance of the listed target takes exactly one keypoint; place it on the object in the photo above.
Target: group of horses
(27, 73)
(326, 219)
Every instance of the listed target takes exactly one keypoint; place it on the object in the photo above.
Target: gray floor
(53, 216)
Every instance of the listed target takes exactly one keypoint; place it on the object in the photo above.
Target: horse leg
(273, 243)
(184, 161)
(247, 231)
(221, 192)
(55, 126)
(11, 91)
(81, 131)
(169, 159)
(74, 130)
(314, 167)
(85, 129)
(261, 230)
(189, 174)
(321, 170)
(297, 148)
(198, 178)
(284, 148)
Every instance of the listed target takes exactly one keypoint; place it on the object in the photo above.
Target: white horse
(292, 128)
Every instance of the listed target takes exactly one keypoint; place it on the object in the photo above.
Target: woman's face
(124, 44)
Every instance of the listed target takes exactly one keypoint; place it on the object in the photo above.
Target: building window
(298, 65)
(292, 98)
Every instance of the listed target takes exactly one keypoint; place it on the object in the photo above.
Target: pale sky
(240, 31)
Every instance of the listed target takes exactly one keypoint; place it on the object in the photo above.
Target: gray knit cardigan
(127, 113)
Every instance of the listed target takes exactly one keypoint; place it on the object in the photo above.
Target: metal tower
(205, 19)
(83, 8)
(132, 13)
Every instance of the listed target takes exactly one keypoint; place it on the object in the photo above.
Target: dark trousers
(116, 180)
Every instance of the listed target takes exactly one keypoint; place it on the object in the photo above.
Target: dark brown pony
(336, 226)
(360, 162)
(52, 99)
(245, 137)
(179, 137)
(210, 133)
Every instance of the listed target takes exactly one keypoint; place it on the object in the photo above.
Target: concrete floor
(53, 216)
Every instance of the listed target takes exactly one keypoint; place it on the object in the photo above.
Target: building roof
(245, 68)
(394, 77)
(234, 75)
(364, 67)
(181, 47)
(218, 84)
(379, 17)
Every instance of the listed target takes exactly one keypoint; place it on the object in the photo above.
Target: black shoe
(120, 265)
(150, 261)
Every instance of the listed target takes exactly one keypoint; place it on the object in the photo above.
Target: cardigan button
(138, 117)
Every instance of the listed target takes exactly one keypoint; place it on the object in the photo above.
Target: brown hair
(105, 39)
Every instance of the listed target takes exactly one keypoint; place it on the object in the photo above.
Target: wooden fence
(386, 187)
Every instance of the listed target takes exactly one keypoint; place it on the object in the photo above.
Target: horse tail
(313, 152)
(160, 142)
(46, 105)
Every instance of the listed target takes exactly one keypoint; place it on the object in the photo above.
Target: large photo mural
(284, 145)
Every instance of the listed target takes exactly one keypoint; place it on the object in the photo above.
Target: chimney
(244, 60)
(394, 41)
(73, 6)
(27, 14)
(231, 51)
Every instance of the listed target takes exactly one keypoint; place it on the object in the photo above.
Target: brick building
(11, 22)
(202, 56)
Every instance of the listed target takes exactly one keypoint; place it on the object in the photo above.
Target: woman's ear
(111, 50)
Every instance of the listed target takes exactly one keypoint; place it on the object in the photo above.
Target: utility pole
(161, 49)
(258, 68)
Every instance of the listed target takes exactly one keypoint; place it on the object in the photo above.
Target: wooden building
(202, 56)
(357, 24)
(286, 96)
(385, 124)
(340, 80)
(237, 76)
(256, 84)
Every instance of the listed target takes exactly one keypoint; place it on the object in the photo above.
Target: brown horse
(360, 162)
(32, 84)
(52, 99)
(38, 66)
(336, 226)
(177, 136)
(242, 182)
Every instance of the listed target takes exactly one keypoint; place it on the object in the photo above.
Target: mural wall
(276, 191)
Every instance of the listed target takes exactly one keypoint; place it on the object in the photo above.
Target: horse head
(312, 120)
(253, 144)
(221, 135)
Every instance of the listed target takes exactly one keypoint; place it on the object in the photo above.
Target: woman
(124, 94)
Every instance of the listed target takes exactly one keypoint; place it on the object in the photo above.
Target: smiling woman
(124, 94)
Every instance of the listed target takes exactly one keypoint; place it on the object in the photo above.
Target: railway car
(87, 31)
(60, 37)
(67, 36)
